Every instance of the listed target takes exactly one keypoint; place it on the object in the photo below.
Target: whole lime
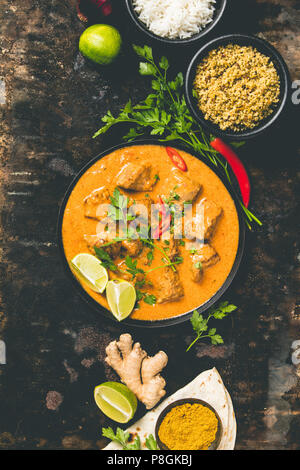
(101, 43)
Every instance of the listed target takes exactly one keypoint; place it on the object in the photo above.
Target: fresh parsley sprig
(106, 260)
(200, 324)
(149, 299)
(164, 113)
(132, 267)
(149, 242)
(118, 211)
(122, 438)
(151, 443)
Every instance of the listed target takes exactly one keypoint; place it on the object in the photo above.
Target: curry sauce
(156, 177)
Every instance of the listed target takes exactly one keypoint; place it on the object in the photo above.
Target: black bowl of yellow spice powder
(188, 424)
(237, 86)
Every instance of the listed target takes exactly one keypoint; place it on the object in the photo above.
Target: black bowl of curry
(237, 86)
(188, 424)
(180, 276)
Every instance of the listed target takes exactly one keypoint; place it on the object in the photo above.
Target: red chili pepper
(164, 220)
(161, 229)
(162, 206)
(98, 3)
(176, 159)
(90, 9)
(237, 167)
(106, 8)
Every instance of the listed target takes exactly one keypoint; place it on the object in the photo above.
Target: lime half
(116, 401)
(121, 298)
(89, 269)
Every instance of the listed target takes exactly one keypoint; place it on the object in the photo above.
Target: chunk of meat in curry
(171, 247)
(98, 241)
(136, 176)
(169, 286)
(131, 247)
(203, 225)
(181, 188)
(141, 209)
(92, 203)
(202, 258)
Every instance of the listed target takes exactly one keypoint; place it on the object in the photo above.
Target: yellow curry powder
(189, 427)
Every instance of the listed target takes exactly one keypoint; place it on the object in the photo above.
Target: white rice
(175, 19)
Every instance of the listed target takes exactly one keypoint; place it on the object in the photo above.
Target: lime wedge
(121, 297)
(116, 401)
(89, 269)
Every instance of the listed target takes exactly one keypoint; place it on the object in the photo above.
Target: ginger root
(138, 371)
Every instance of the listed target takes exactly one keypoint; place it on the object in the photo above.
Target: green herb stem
(173, 263)
(200, 324)
(149, 242)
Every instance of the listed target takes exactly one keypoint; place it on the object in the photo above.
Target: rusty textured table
(51, 102)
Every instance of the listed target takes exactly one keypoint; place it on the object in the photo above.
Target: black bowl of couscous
(237, 86)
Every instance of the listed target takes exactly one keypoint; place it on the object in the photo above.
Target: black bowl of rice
(176, 21)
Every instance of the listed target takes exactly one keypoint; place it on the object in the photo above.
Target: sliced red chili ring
(163, 227)
(162, 206)
(164, 220)
(176, 159)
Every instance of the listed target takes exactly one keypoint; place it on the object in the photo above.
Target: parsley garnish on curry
(171, 276)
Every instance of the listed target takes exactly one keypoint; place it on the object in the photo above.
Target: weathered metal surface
(51, 102)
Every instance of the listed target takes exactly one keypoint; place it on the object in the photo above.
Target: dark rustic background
(51, 102)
